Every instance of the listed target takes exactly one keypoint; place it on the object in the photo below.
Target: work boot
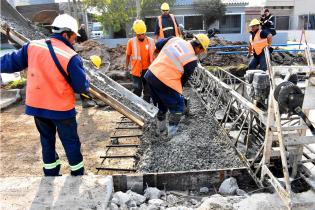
(88, 103)
(172, 131)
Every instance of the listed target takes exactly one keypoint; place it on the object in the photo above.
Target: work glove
(249, 55)
(270, 49)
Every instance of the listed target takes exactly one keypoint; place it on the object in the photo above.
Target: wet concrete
(199, 145)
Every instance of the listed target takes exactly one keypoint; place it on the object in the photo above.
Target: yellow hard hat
(165, 6)
(139, 27)
(203, 40)
(254, 22)
(96, 60)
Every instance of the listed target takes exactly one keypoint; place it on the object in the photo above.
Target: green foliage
(211, 9)
(16, 84)
(116, 13)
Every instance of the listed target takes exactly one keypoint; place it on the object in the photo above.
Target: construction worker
(169, 72)
(139, 54)
(268, 22)
(55, 72)
(83, 36)
(259, 39)
(166, 24)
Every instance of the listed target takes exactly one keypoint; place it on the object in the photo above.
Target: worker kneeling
(259, 40)
(140, 51)
(168, 74)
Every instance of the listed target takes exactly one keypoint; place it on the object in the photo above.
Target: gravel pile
(16, 21)
(198, 145)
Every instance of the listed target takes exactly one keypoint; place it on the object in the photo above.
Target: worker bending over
(168, 74)
(50, 93)
(140, 51)
(259, 39)
(166, 24)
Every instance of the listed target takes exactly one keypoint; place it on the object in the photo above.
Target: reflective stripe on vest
(52, 165)
(77, 166)
(161, 34)
(258, 44)
(136, 66)
(168, 67)
(46, 87)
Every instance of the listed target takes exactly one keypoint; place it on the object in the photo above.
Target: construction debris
(198, 145)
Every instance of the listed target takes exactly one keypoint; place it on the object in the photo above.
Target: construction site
(247, 142)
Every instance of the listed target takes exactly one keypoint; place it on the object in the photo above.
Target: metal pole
(138, 8)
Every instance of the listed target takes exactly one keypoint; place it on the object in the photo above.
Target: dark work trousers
(140, 85)
(67, 132)
(258, 60)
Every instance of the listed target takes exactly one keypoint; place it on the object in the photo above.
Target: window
(307, 22)
(282, 22)
(230, 24)
(179, 19)
(193, 22)
(150, 23)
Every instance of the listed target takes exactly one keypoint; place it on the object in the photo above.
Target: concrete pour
(197, 146)
(64, 192)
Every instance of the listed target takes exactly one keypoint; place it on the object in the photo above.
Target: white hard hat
(65, 22)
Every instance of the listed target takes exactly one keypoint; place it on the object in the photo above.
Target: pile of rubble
(11, 17)
(200, 144)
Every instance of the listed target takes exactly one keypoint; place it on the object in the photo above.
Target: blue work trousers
(168, 99)
(258, 60)
(67, 132)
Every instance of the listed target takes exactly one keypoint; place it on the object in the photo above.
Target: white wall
(302, 7)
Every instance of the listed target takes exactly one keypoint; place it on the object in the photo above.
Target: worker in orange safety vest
(166, 24)
(258, 41)
(54, 74)
(167, 75)
(139, 54)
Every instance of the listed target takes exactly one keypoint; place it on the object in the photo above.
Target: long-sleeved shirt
(18, 61)
(166, 22)
(188, 69)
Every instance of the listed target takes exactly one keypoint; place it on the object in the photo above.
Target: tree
(116, 13)
(211, 9)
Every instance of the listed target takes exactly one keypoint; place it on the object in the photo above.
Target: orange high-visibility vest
(136, 64)
(46, 87)
(168, 67)
(258, 44)
(162, 29)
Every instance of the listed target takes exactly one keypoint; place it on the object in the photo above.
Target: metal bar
(123, 145)
(245, 52)
(116, 169)
(126, 136)
(118, 156)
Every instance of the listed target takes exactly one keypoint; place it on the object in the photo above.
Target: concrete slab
(64, 192)
(9, 97)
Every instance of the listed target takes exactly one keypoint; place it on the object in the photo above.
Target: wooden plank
(309, 98)
(290, 128)
(284, 195)
(301, 140)
(117, 106)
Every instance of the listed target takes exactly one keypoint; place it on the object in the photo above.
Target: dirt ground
(20, 149)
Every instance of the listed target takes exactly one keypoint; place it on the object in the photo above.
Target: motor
(290, 99)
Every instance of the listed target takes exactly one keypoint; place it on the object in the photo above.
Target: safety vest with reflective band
(46, 87)
(168, 67)
(161, 35)
(136, 64)
(258, 44)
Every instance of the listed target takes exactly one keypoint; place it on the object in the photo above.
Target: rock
(240, 192)
(157, 202)
(228, 186)
(121, 198)
(132, 204)
(152, 193)
(193, 202)
(113, 206)
(179, 208)
(172, 199)
(204, 190)
(139, 199)
(216, 202)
